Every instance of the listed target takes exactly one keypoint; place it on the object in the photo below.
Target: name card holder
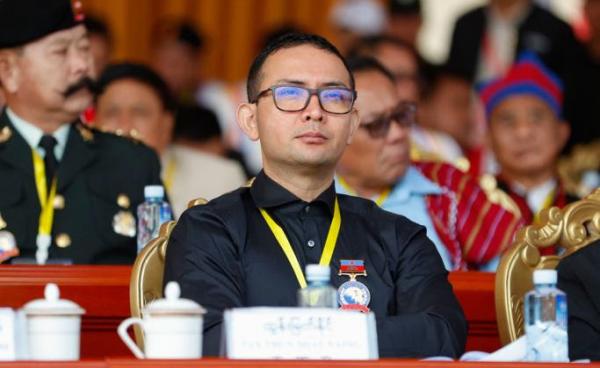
(299, 333)
(8, 346)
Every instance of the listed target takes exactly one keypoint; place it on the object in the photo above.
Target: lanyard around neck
(47, 207)
(284, 243)
(548, 201)
(169, 174)
(378, 201)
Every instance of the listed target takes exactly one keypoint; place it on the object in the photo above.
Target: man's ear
(564, 132)
(9, 73)
(247, 120)
(354, 123)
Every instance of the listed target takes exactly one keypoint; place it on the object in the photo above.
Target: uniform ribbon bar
(352, 266)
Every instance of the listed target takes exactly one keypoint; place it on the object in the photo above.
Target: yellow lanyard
(284, 243)
(547, 203)
(169, 173)
(378, 201)
(46, 201)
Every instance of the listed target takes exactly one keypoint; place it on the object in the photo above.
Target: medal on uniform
(124, 221)
(8, 244)
(353, 294)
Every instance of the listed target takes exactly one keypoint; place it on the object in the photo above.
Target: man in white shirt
(133, 100)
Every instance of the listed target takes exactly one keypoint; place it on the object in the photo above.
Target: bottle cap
(544, 277)
(315, 272)
(154, 191)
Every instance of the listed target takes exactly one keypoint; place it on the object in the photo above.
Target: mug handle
(122, 331)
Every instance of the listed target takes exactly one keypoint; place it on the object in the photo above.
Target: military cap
(24, 21)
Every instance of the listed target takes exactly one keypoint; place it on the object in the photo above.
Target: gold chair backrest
(572, 228)
(146, 282)
(583, 158)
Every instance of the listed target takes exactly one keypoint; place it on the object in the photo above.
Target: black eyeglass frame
(311, 92)
(386, 120)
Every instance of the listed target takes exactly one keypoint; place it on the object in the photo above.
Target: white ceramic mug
(172, 328)
(166, 337)
(53, 327)
(53, 337)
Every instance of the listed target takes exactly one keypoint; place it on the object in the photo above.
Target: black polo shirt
(224, 255)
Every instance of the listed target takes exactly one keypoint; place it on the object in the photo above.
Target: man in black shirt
(225, 255)
(578, 276)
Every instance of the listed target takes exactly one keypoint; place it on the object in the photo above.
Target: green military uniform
(100, 183)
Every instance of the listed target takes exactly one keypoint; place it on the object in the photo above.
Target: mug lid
(173, 304)
(52, 304)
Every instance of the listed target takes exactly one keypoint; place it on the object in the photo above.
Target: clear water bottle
(546, 320)
(152, 213)
(318, 293)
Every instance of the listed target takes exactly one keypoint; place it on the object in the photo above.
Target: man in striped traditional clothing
(527, 133)
(469, 231)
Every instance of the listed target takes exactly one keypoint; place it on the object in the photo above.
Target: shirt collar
(536, 196)
(413, 183)
(32, 134)
(267, 193)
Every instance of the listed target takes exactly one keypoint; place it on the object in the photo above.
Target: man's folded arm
(429, 321)
(203, 259)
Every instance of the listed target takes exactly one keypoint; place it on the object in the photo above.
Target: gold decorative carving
(571, 169)
(570, 228)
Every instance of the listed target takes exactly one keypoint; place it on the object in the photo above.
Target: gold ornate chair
(571, 228)
(146, 282)
(583, 158)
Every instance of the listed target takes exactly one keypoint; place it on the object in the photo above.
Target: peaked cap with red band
(528, 76)
(24, 21)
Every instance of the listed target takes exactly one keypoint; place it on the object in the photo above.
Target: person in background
(225, 254)
(578, 276)
(101, 42)
(468, 231)
(527, 131)
(487, 40)
(177, 52)
(404, 20)
(133, 100)
(401, 59)
(198, 128)
(352, 19)
(68, 193)
(447, 104)
(584, 103)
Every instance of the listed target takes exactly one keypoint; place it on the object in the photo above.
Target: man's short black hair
(196, 124)
(367, 64)
(432, 74)
(287, 41)
(140, 73)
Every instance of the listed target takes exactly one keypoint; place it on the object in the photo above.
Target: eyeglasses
(335, 100)
(403, 114)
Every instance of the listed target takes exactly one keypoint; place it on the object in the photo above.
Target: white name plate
(299, 333)
(8, 350)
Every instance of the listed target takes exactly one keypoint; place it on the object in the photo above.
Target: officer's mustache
(84, 82)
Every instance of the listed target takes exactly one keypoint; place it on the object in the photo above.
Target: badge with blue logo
(353, 294)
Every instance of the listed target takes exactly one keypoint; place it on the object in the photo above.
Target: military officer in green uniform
(68, 194)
